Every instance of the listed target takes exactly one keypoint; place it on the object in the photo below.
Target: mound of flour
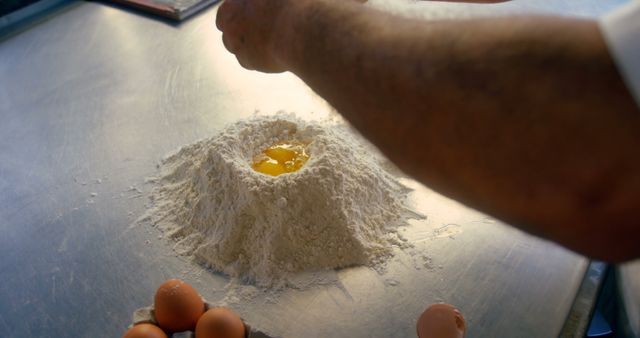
(340, 209)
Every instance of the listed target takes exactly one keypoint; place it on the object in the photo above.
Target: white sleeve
(621, 31)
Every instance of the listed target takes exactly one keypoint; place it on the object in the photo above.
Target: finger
(244, 61)
(222, 17)
(229, 43)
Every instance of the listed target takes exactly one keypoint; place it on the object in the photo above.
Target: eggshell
(441, 321)
(177, 306)
(144, 331)
(220, 322)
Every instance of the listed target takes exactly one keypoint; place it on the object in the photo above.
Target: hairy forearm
(524, 118)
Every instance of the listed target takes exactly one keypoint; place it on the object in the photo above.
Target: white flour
(340, 209)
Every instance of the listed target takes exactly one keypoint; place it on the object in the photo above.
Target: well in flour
(340, 209)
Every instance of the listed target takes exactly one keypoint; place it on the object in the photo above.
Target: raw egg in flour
(441, 321)
(144, 331)
(177, 306)
(219, 322)
(281, 158)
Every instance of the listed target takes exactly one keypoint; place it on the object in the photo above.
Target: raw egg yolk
(281, 158)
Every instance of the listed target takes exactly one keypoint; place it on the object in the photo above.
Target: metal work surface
(628, 279)
(92, 98)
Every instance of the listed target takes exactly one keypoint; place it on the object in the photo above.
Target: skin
(526, 118)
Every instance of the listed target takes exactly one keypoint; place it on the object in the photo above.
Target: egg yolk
(281, 158)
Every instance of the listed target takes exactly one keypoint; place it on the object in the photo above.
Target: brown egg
(177, 306)
(220, 322)
(145, 331)
(441, 321)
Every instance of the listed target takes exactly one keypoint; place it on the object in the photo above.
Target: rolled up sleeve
(621, 31)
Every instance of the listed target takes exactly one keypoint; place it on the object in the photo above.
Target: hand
(262, 33)
(251, 31)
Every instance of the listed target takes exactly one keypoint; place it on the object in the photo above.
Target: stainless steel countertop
(93, 97)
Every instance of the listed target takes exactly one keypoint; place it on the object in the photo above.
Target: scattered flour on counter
(340, 209)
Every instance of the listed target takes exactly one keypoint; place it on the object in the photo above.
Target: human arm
(524, 118)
